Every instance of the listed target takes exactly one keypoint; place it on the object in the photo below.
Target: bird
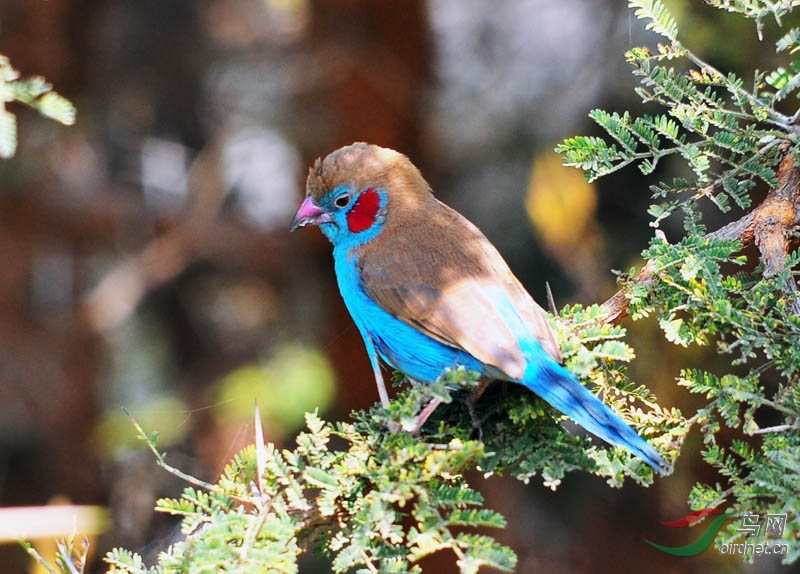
(428, 291)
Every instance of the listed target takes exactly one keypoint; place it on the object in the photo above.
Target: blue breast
(401, 346)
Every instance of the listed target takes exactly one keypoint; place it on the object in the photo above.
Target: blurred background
(145, 259)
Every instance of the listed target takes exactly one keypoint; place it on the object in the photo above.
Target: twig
(768, 226)
(778, 428)
(617, 307)
(161, 461)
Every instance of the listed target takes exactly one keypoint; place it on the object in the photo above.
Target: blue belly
(414, 353)
(399, 345)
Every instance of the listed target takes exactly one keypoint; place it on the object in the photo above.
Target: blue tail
(559, 387)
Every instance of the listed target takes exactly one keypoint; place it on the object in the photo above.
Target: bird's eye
(342, 200)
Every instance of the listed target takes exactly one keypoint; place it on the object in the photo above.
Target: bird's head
(354, 190)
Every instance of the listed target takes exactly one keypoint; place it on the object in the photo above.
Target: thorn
(261, 448)
(551, 303)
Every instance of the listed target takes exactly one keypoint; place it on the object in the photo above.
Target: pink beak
(309, 214)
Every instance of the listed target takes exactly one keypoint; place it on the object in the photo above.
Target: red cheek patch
(362, 215)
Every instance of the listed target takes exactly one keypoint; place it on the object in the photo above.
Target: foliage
(34, 92)
(71, 556)
(701, 289)
(270, 503)
(377, 500)
(729, 137)
(388, 499)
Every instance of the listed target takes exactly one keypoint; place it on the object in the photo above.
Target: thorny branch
(769, 226)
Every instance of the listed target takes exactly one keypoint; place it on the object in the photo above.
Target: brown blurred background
(145, 259)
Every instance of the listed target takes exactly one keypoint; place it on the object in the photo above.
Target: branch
(768, 226)
(778, 428)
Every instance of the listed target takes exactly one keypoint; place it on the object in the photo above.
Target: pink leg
(376, 369)
(423, 416)
(426, 412)
(476, 394)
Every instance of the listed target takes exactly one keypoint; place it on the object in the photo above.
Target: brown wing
(442, 275)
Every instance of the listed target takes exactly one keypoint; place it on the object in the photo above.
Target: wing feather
(446, 279)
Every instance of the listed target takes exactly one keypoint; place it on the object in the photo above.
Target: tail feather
(559, 387)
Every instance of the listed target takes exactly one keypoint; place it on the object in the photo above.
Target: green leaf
(661, 21)
(675, 331)
(484, 551)
(320, 478)
(57, 107)
(789, 41)
(33, 91)
(8, 134)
